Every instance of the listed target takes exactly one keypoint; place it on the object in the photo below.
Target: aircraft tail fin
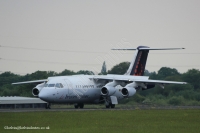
(138, 63)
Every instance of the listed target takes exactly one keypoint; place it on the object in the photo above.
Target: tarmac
(54, 109)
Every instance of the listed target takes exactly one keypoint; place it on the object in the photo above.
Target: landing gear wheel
(79, 105)
(112, 105)
(107, 106)
(76, 106)
(48, 106)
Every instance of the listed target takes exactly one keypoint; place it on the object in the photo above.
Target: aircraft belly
(78, 96)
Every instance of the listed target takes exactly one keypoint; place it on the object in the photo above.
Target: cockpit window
(51, 85)
(45, 85)
(59, 85)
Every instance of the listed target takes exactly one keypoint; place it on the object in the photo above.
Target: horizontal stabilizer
(149, 49)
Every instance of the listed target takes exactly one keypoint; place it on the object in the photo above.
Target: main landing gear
(110, 105)
(78, 105)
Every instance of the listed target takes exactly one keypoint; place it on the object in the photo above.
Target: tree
(66, 72)
(192, 76)
(39, 75)
(120, 68)
(147, 73)
(8, 78)
(166, 71)
(103, 69)
(85, 72)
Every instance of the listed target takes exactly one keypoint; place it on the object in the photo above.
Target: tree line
(188, 94)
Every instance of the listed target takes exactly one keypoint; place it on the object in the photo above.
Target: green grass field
(110, 121)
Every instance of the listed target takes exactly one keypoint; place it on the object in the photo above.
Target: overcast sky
(78, 35)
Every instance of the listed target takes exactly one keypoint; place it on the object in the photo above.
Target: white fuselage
(75, 89)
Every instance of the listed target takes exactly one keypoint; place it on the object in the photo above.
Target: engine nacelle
(128, 91)
(36, 90)
(108, 90)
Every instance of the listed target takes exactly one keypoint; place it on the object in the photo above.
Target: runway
(54, 109)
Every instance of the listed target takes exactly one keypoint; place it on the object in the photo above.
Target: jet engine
(109, 88)
(36, 90)
(129, 90)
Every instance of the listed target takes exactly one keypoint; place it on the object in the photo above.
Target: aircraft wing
(33, 81)
(120, 77)
(159, 82)
(138, 79)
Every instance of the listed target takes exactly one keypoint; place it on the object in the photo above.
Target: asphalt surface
(54, 109)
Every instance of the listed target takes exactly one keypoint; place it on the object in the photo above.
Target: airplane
(99, 89)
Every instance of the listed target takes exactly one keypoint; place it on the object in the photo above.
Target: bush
(147, 101)
(188, 94)
(176, 100)
(124, 101)
(138, 98)
(197, 97)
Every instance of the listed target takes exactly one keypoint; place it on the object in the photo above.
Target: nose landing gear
(48, 106)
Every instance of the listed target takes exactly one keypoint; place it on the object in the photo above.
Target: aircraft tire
(107, 106)
(48, 106)
(81, 105)
(112, 105)
(76, 106)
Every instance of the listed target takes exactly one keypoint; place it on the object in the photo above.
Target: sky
(53, 35)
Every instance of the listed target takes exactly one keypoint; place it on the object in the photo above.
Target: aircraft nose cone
(43, 95)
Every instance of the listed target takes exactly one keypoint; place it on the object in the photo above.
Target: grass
(111, 121)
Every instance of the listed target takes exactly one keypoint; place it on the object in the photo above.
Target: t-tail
(138, 63)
